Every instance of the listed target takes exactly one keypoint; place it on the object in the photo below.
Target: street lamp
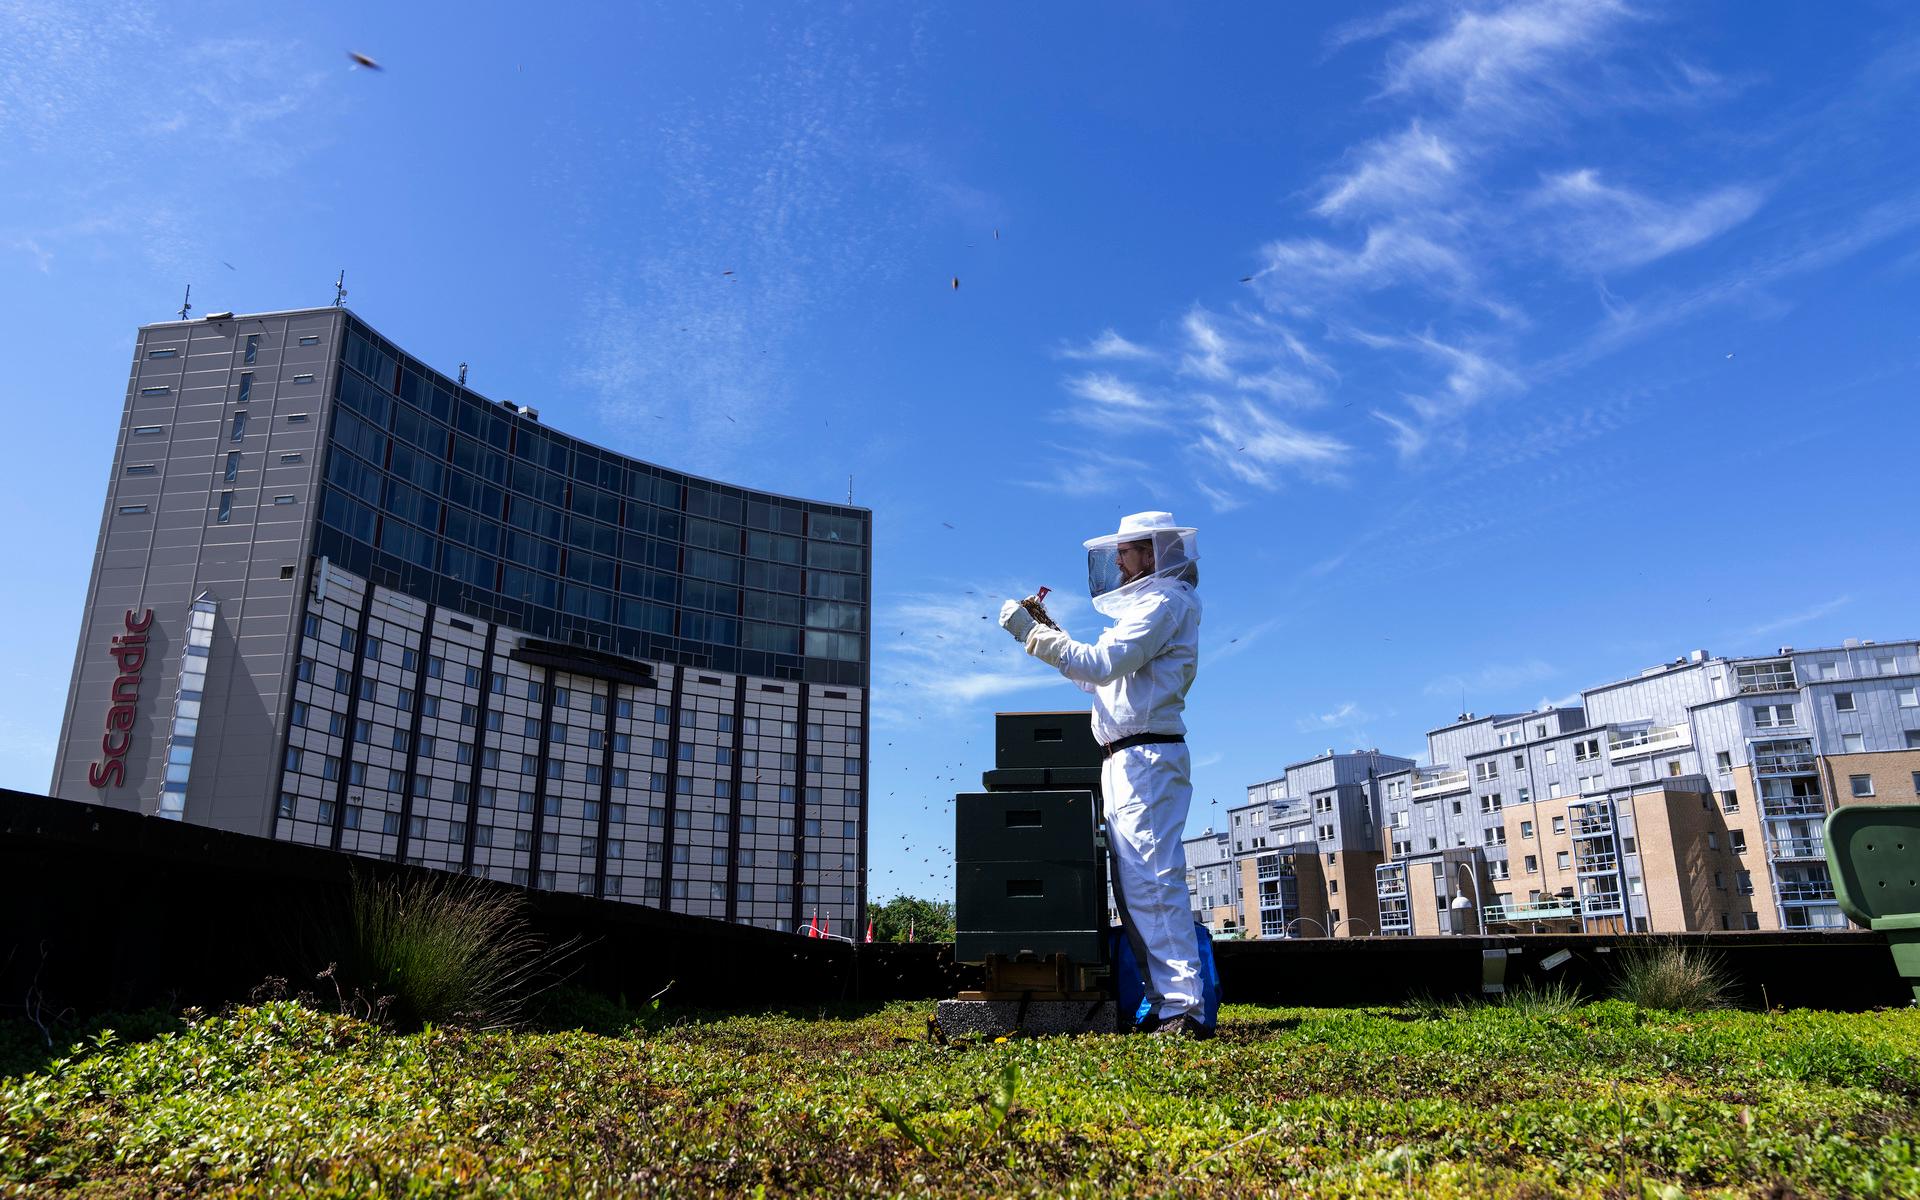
(1288, 928)
(1351, 920)
(1457, 911)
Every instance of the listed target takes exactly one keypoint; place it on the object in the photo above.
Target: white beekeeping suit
(1143, 577)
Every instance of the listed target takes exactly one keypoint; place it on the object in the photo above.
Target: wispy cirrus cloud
(1496, 678)
(1414, 164)
(1793, 620)
(1602, 227)
(1345, 715)
(1109, 345)
(1498, 56)
(1109, 402)
(1457, 232)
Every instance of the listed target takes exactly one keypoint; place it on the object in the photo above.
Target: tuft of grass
(442, 950)
(1554, 998)
(1673, 977)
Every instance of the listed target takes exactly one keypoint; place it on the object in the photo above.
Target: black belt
(1109, 749)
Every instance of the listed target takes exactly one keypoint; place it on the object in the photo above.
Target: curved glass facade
(475, 506)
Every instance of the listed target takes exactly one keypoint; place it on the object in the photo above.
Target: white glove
(1016, 620)
(1049, 645)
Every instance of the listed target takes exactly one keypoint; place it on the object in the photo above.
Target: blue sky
(1496, 349)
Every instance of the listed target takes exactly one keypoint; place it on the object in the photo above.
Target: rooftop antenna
(186, 303)
(463, 374)
(849, 489)
(340, 290)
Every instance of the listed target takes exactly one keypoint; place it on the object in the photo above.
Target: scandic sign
(129, 650)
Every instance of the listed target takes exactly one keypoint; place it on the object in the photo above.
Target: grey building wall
(176, 527)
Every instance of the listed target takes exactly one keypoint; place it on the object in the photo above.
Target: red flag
(826, 926)
(813, 926)
(869, 929)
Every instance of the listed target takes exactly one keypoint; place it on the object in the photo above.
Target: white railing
(1805, 892)
(1804, 847)
(1559, 909)
(1783, 764)
(1602, 904)
(1635, 742)
(1440, 785)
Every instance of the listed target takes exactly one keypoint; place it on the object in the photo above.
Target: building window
(1550, 755)
(304, 377)
(239, 427)
(1560, 825)
(226, 507)
(1553, 789)
(246, 387)
(166, 352)
(1853, 743)
(233, 466)
(1563, 860)
(1586, 750)
(1843, 702)
(1730, 802)
(283, 499)
(1861, 785)
(253, 347)
(1713, 840)
(128, 510)
(151, 430)
(1526, 830)
(143, 469)
(159, 389)
(1909, 697)
(1723, 761)
(1767, 716)
(296, 418)
(309, 339)
(1738, 838)
(1533, 864)
(292, 456)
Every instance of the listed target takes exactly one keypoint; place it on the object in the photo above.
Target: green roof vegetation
(1542, 1097)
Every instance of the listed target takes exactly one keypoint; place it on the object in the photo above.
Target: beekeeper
(1143, 577)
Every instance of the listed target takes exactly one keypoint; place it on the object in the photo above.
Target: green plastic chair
(1873, 856)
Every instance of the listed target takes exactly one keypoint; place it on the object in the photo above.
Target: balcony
(1557, 908)
(1773, 676)
(1445, 783)
(1603, 904)
(1392, 886)
(1805, 891)
(1797, 848)
(1783, 764)
(1633, 743)
(1394, 916)
(1587, 823)
(1797, 807)
(1596, 864)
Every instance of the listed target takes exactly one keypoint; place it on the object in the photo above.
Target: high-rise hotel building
(341, 599)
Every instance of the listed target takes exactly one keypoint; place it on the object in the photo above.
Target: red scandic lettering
(113, 771)
(108, 746)
(141, 625)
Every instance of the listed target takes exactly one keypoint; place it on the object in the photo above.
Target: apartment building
(1689, 797)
